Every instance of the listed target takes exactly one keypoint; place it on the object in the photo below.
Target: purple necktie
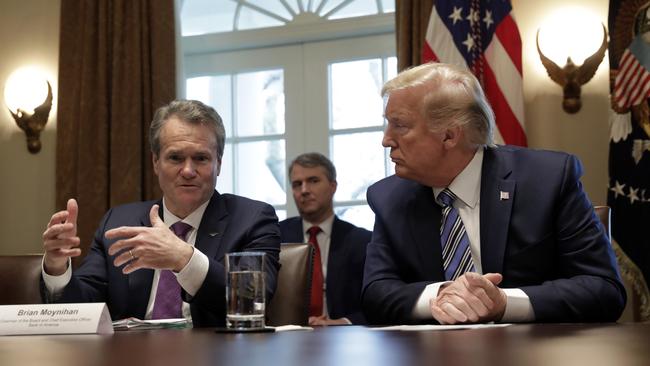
(168, 296)
(456, 254)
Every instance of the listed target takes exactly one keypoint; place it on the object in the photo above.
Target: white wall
(586, 133)
(29, 35)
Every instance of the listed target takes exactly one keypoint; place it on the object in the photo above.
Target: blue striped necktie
(456, 254)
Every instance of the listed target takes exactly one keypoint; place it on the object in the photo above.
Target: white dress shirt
(190, 278)
(467, 187)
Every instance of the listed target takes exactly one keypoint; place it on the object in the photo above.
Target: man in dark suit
(148, 256)
(342, 245)
(470, 232)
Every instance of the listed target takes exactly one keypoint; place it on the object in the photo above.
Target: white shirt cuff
(56, 284)
(191, 277)
(518, 307)
(422, 310)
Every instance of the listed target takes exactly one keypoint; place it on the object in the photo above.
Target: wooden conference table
(539, 344)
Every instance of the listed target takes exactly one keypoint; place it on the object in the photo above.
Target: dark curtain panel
(116, 66)
(411, 20)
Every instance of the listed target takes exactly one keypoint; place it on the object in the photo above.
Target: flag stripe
(622, 84)
(507, 77)
(441, 42)
(632, 83)
(643, 90)
(633, 89)
(628, 69)
(509, 36)
(626, 87)
(483, 37)
(626, 66)
(507, 124)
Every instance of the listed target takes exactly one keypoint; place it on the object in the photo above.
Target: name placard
(92, 318)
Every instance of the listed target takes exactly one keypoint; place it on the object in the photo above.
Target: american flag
(632, 83)
(629, 160)
(483, 36)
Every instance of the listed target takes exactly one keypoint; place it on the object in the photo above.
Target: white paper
(440, 327)
(291, 327)
(83, 318)
(135, 323)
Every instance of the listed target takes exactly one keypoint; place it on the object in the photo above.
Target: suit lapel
(497, 197)
(424, 219)
(213, 225)
(335, 263)
(296, 231)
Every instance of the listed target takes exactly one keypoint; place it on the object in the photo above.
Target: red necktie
(316, 303)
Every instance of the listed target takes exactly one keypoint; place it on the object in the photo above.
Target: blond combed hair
(452, 97)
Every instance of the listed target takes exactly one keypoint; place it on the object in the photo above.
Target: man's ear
(452, 136)
(154, 162)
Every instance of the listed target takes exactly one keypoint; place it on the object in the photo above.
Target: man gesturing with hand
(60, 239)
(148, 247)
(164, 259)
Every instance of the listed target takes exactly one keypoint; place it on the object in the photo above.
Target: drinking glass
(245, 290)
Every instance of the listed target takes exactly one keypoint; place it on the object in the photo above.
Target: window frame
(289, 46)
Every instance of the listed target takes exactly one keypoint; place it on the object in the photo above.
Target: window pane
(260, 103)
(391, 66)
(251, 19)
(214, 91)
(389, 165)
(355, 9)
(361, 216)
(360, 161)
(207, 16)
(388, 6)
(274, 7)
(329, 5)
(225, 178)
(261, 171)
(355, 94)
(293, 4)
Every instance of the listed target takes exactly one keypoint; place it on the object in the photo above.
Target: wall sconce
(571, 77)
(23, 91)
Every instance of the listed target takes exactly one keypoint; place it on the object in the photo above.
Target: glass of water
(245, 290)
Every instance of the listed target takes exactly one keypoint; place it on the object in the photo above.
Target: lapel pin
(504, 195)
(213, 234)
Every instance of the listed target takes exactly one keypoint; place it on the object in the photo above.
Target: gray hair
(453, 97)
(191, 111)
(312, 160)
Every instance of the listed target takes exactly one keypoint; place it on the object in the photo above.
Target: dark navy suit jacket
(230, 224)
(545, 239)
(344, 265)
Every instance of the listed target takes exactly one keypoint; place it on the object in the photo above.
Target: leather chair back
(638, 296)
(20, 277)
(290, 304)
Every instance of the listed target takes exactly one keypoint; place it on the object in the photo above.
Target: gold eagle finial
(571, 77)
